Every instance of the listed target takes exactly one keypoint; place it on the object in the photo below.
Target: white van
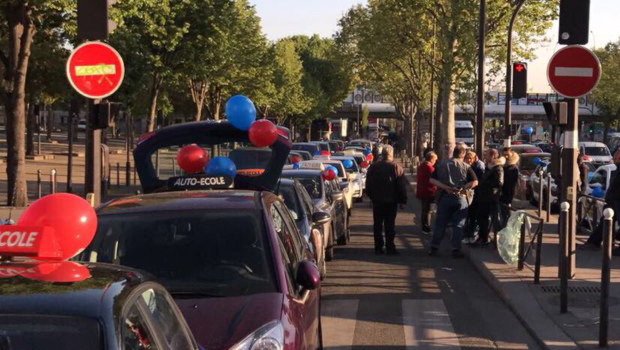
(595, 152)
(464, 132)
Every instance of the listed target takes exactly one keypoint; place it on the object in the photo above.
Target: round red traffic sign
(573, 71)
(95, 70)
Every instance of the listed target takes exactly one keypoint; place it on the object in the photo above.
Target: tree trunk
(153, 96)
(30, 130)
(20, 33)
(437, 145)
(198, 97)
(50, 122)
(217, 102)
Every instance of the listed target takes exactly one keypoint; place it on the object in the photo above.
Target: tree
(19, 22)
(607, 93)
(288, 72)
(364, 126)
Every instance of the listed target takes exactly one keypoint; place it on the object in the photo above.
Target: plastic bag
(508, 238)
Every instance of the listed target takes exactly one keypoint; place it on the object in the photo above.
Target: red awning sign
(573, 71)
(95, 70)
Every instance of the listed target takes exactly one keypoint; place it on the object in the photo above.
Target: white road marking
(574, 72)
(338, 323)
(427, 325)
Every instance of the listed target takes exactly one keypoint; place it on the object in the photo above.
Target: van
(464, 132)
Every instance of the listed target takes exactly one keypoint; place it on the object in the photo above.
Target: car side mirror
(337, 196)
(320, 217)
(308, 276)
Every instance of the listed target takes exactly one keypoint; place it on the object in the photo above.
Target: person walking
(612, 200)
(386, 187)
(471, 158)
(488, 191)
(375, 154)
(511, 179)
(425, 191)
(454, 178)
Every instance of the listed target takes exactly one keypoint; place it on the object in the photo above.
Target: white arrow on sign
(574, 72)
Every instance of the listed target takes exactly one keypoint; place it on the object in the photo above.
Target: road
(410, 301)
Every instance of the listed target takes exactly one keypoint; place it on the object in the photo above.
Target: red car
(233, 260)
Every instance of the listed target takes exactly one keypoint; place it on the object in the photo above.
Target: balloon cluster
(193, 159)
(241, 113)
(329, 174)
(333, 168)
(348, 163)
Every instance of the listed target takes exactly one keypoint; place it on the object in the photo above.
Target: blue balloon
(333, 168)
(317, 153)
(529, 130)
(537, 161)
(221, 166)
(296, 166)
(367, 151)
(348, 163)
(240, 112)
(598, 192)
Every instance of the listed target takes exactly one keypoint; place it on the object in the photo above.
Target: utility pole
(508, 106)
(569, 178)
(480, 118)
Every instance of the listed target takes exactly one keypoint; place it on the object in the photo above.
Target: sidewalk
(538, 306)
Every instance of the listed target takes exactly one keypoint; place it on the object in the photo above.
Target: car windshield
(528, 163)
(312, 184)
(324, 146)
(205, 252)
(306, 147)
(34, 332)
(597, 151)
(464, 132)
(351, 170)
(291, 201)
(248, 158)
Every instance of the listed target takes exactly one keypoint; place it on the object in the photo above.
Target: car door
(303, 304)
(151, 320)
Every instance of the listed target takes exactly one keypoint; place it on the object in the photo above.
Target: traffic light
(519, 80)
(103, 114)
(93, 20)
(574, 22)
(557, 112)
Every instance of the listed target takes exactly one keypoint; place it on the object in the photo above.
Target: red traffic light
(519, 67)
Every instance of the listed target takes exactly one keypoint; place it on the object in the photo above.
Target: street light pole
(431, 113)
(481, 61)
(508, 104)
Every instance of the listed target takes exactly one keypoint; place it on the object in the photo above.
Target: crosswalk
(425, 323)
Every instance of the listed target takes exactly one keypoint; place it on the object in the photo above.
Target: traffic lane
(411, 300)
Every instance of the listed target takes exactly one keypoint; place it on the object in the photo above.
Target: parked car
(534, 186)
(525, 148)
(305, 155)
(306, 217)
(361, 143)
(309, 147)
(356, 177)
(335, 146)
(81, 125)
(324, 148)
(527, 163)
(595, 152)
(327, 197)
(601, 178)
(233, 260)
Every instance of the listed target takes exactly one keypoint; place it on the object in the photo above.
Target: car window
(597, 151)
(306, 201)
(298, 240)
(286, 247)
(36, 331)
(135, 331)
(160, 308)
(291, 201)
(208, 252)
(311, 184)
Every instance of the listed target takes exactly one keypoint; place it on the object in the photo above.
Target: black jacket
(511, 177)
(386, 183)
(613, 192)
(490, 186)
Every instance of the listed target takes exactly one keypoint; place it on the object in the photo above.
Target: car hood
(220, 323)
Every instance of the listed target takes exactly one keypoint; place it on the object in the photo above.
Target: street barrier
(540, 192)
(549, 178)
(608, 238)
(53, 181)
(564, 251)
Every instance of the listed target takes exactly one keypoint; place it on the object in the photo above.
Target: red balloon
(192, 159)
(295, 159)
(329, 175)
(263, 133)
(59, 272)
(364, 164)
(73, 219)
(370, 157)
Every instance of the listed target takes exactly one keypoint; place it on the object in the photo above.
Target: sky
(281, 18)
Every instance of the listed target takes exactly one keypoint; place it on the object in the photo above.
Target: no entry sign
(573, 71)
(95, 70)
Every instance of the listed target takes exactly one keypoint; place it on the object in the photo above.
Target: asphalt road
(411, 301)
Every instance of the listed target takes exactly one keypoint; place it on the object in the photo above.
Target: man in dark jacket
(386, 187)
(489, 191)
(471, 158)
(612, 200)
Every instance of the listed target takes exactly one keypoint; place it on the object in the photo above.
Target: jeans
(384, 215)
(450, 209)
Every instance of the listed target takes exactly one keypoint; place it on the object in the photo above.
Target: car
(341, 175)
(57, 304)
(356, 177)
(250, 161)
(362, 143)
(81, 125)
(324, 148)
(527, 164)
(309, 220)
(595, 152)
(233, 260)
(327, 197)
(309, 147)
(534, 187)
(305, 155)
(335, 146)
(525, 148)
(601, 178)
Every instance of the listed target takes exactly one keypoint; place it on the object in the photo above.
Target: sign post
(95, 70)
(573, 72)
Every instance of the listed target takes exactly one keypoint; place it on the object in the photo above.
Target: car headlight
(268, 337)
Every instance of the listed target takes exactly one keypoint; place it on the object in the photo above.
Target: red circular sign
(95, 70)
(573, 71)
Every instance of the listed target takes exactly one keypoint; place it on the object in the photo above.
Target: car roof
(306, 172)
(183, 200)
(592, 144)
(88, 298)
(537, 154)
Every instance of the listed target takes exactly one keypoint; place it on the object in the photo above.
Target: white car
(534, 184)
(600, 179)
(356, 177)
(345, 185)
(595, 152)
